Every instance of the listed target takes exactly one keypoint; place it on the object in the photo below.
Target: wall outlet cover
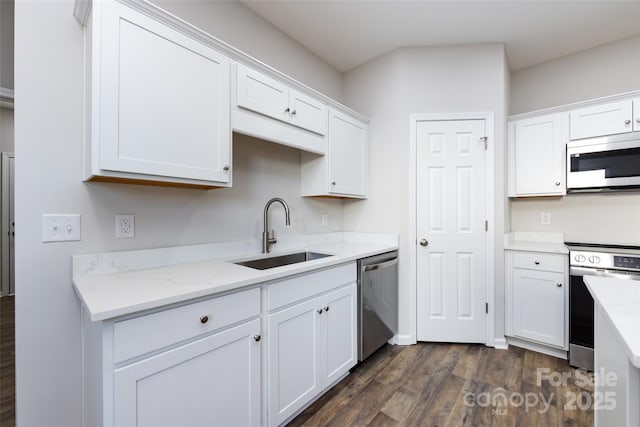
(125, 226)
(545, 218)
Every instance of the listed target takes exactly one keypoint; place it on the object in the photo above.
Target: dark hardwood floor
(433, 384)
(7, 362)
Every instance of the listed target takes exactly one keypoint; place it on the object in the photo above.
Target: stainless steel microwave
(604, 163)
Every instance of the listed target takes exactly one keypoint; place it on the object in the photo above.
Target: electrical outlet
(545, 218)
(125, 226)
(325, 219)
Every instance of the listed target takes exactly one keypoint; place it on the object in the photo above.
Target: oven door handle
(581, 271)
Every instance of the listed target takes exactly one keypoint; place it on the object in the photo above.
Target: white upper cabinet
(537, 150)
(602, 119)
(262, 94)
(159, 102)
(307, 112)
(343, 171)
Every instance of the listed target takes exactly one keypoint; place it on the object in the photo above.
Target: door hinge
(485, 139)
(486, 307)
(486, 225)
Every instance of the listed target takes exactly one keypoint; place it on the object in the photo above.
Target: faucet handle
(272, 236)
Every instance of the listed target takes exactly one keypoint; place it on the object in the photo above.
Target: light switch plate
(60, 227)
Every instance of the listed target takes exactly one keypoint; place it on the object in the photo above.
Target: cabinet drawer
(539, 261)
(302, 287)
(133, 337)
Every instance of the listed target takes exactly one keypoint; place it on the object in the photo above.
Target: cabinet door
(537, 156)
(164, 99)
(307, 113)
(636, 115)
(603, 119)
(538, 306)
(212, 381)
(348, 155)
(262, 94)
(340, 343)
(293, 359)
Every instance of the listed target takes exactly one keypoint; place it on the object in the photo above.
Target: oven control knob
(594, 259)
(580, 258)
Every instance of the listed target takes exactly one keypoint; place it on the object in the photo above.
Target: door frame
(6, 188)
(412, 248)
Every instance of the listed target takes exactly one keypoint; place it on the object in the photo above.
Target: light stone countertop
(535, 242)
(620, 301)
(127, 289)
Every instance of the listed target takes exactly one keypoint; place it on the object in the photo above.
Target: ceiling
(348, 33)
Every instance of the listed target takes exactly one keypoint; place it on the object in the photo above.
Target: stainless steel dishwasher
(377, 302)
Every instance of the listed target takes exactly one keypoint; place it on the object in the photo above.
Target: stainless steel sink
(279, 261)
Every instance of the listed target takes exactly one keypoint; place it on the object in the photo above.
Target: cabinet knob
(286, 110)
(627, 122)
(557, 183)
(225, 167)
(333, 183)
(638, 120)
(204, 319)
(319, 311)
(559, 285)
(424, 242)
(326, 308)
(257, 337)
(536, 262)
(293, 112)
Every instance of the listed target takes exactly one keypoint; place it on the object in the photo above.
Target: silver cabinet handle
(424, 242)
(293, 112)
(380, 265)
(627, 122)
(536, 262)
(286, 110)
(559, 285)
(326, 308)
(225, 167)
(204, 319)
(638, 120)
(257, 337)
(319, 311)
(557, 183)
(333, 183)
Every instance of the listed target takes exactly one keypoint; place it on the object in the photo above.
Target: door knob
(424, 242)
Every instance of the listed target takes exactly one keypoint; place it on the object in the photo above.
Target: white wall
(422, 80)
(48, 136)
(605, 70)
(6, 45)
(243, 29)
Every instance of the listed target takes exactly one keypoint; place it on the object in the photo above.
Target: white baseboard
(540, 348)
(402, 340)
(501, 344)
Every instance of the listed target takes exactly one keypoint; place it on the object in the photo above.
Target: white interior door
(450, 229)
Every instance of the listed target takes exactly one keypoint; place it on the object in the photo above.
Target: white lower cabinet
(312, 343)
(537, 298)
(212, 381)
(197, 364)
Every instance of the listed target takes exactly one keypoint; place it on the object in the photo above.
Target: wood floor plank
(7, 362)
(426, 385)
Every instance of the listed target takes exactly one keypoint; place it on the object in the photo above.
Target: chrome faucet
(270, 238)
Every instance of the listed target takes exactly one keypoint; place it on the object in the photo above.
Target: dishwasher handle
(380, 265)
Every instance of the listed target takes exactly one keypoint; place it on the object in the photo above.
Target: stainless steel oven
(621, 262)
(604, 163)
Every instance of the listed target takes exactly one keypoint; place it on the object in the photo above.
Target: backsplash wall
(586, 218)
